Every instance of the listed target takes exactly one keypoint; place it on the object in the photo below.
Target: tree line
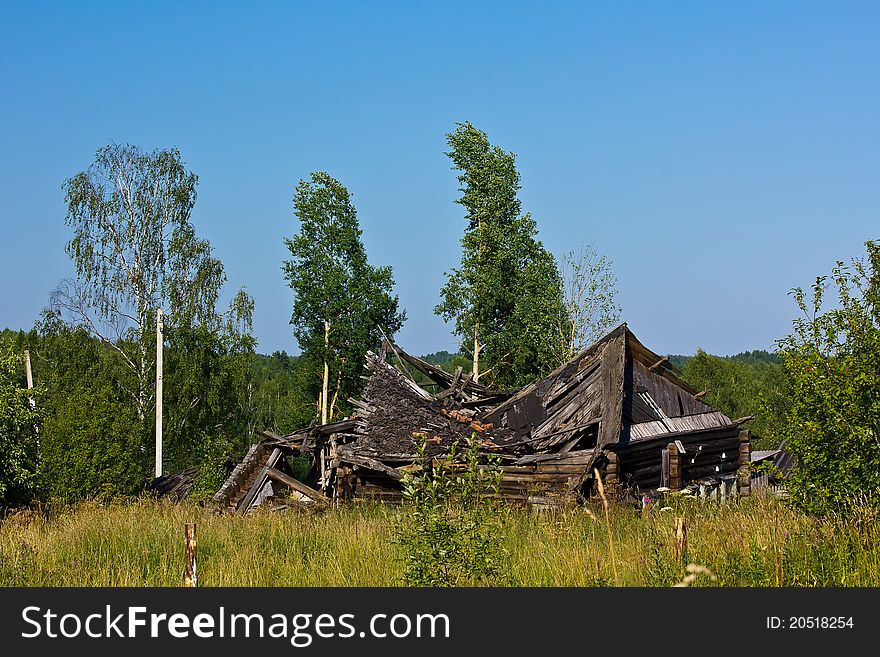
(86, 429)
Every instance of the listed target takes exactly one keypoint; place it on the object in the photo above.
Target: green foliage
(740, 387)
(19, 424)
(208, 396)
(440, 358)
(91, 440)
(506, 297)
(832, 358)
(754, 357)
(448, 528)
(281, 393)
(341, 302)
(135, 251)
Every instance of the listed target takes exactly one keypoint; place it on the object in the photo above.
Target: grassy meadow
(749, 542)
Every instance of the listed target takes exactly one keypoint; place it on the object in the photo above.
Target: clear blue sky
(720, 153)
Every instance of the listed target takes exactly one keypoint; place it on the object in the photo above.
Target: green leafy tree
(281, 393)
(209, 384)
(89, 439)
(342, 304)
(135, 251)
(832, 358)
(19, 424)
(506, 297)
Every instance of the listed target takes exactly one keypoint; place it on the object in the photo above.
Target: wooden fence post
(190, 577)
(745, 460)
(674, 467)
(680, 537)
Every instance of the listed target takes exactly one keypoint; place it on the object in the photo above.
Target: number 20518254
(810, 623)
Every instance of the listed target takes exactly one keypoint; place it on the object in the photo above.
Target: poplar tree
(505, 298)
(342, 304)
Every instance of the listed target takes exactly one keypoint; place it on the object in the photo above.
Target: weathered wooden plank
(692, 448)
(613, 357)
(561, 469)
(354, 458)
(575, 457)
(298, 486)
(664, 467)
(536, 477)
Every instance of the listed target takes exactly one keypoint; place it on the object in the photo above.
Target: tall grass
(752, 542)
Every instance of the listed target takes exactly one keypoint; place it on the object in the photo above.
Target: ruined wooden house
(617, 408)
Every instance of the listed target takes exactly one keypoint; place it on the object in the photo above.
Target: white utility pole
(159, 345)
(30, 376)
(30, 384)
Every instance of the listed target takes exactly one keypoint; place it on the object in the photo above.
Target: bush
(833, 361)
(18, 433)
(447, 527)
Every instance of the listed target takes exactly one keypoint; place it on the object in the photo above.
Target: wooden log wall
(556, 477)
(710, 453)
(242, 477)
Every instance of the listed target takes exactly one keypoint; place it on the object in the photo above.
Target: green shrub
(833, 362)
(447, 529)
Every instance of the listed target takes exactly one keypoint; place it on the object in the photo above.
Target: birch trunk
(325, 383)
(477, 352)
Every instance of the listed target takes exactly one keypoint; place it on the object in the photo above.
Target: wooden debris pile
(616, 407)
(175, 487)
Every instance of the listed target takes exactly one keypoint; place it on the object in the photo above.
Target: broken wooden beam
(259, 482)
(298, 486)
(658, 363)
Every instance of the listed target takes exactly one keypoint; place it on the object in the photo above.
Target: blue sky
(720, 153)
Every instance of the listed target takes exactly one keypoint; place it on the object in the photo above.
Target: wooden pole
(664, 468)
(190, 576)
(325, 383)
(745, 460)
(159, 345)
(674, 467)
(680, 541)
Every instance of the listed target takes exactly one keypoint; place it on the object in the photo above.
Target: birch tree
(505, 298)
(135, 250)
(342, 304)
(590, 291)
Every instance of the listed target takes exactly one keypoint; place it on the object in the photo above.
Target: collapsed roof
(617, 407)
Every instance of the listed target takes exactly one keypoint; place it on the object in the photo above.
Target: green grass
(752, 542)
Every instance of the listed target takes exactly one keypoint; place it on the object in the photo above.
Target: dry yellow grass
(755, 542)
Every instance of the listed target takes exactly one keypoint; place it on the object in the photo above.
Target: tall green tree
(832, 358)
(506, 297)
(90, 439)
(134, 251)
(342, 304)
